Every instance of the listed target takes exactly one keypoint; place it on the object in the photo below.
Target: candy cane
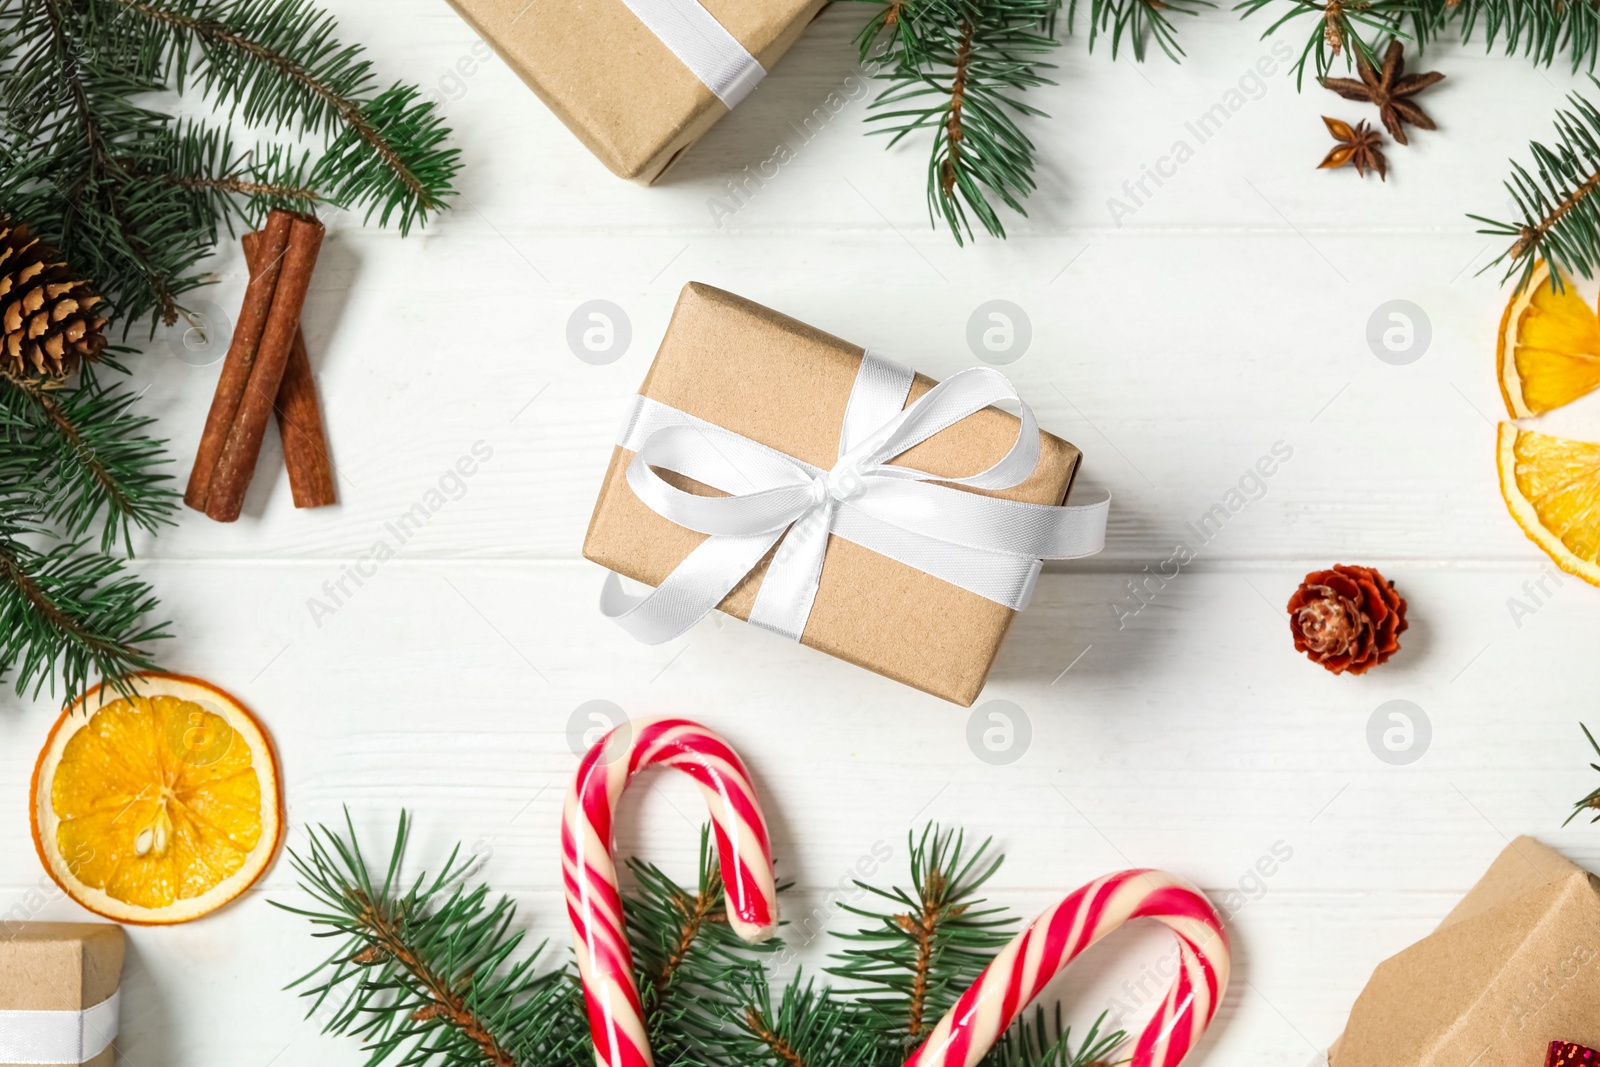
(1025, 966)
(594, 903)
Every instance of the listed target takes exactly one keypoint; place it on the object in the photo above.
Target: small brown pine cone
(1347, 619)
(47, 322)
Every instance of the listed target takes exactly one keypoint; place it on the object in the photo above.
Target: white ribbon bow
(984, 544)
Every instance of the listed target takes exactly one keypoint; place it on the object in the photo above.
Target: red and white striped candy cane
(1024, 967)
(594, 903)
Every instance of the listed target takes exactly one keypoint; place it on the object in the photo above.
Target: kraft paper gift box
(1515, 966)
(784, 384)
(50, 972)
(615, 84)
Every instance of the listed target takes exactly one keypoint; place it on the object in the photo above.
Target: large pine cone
(1347, 619)
(47, 323)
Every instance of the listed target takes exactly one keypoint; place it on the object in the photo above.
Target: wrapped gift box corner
(632, 103)
(1514, 966)
(50, 967)
(784, 384)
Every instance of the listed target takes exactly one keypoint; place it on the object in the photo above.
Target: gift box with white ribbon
(831, 496)
(639, 81)
(59, 992)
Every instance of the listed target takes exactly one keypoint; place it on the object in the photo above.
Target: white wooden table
(1177, 346)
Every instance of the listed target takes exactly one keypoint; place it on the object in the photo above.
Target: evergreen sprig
(426, 972)
(84, 457)
(1559, 214)
(431, 971)
(695, 972)
(1138, 22)
(72, 459)
(1040, 1040)
(1538, 29)
(135, 197)
(810, 1026)
(1592, 801)
(1339, 28)
(957, 70)
(913, 963)
(1541, 30)
(69, 613)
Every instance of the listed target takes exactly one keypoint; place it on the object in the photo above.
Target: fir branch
(1139, 22)
(916, 959)
(429, 973)
(695, 913)
(1037, 1042)
(229, 184)
(957, 69)
(779, 1046)
(72, 456)
(134, 197)
(691, 966)
(809, 1027)
(241, 187)
(89, 458)
(278, 63)
(69, 614)
(103, 179)
(1339, 28)
(1537, 29)
(1592, 801)
(411, 973)
(74, 150)
(1560, 215)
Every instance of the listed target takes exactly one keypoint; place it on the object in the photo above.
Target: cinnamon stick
(305, 446)
(241, 357)
(242, 446)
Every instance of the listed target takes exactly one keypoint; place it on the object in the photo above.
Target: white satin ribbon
(989, 546)
(702, 44)
(58, 1036)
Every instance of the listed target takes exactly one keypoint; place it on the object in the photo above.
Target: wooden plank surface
(1177, 346)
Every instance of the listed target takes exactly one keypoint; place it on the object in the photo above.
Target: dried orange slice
(1552, 486)
(159, 807)
(1548, 353)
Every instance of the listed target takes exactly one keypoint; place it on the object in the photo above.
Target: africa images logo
(451, 485)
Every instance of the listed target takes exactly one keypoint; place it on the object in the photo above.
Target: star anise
(1390, 90)
(1359, 147)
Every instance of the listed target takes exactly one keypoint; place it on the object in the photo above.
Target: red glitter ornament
(1567, 1054)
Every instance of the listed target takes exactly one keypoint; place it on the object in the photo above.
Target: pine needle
(70, 459)
(910, 965)
(1137, 22)
(70, 614)
(429, 971)
(1592, 801)
(1538, 29)
(1347, 29)
(1559, 213)
(135, 199)
(956, 71)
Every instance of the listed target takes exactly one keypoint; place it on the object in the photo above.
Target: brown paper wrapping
(784, 384)
(1513, 967)
(60, 967)
(627, 97)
